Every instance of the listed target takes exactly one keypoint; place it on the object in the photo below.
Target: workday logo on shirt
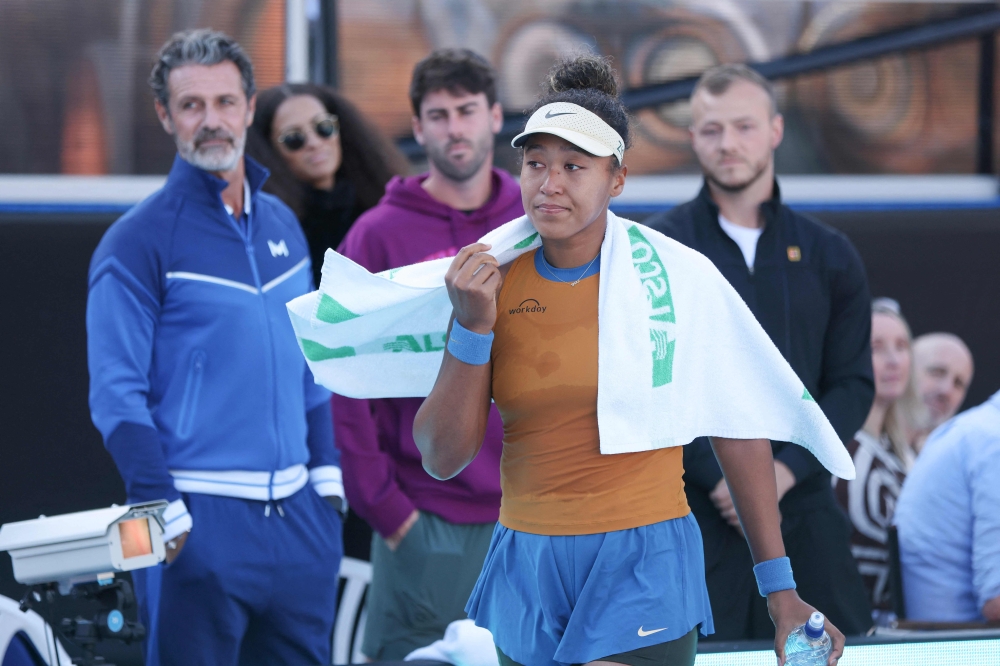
(526, 306)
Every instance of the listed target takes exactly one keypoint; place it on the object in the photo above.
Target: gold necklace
(574, 282)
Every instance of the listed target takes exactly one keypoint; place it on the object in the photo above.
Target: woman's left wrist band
(774, 576)
(468, 346)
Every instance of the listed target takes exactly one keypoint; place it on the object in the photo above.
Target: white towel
(464, 644)
(679, 353)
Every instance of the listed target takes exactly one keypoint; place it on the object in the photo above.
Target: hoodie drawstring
(277, 506)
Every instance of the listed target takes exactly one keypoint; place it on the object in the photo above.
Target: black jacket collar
(769, 208)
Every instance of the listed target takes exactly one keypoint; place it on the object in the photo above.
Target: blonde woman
(882, 450)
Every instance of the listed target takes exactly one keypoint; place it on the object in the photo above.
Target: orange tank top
(553, 477)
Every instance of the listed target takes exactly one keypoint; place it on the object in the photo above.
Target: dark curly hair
(588, 81)
(455, 70)
(368, 159)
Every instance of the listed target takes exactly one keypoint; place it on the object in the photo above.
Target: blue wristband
(469, 347)
(774, 576)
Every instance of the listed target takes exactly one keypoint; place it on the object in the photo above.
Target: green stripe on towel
(653, 274)
(314, 351)
(333, 312)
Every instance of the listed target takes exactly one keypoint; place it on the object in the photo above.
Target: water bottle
(809, 645)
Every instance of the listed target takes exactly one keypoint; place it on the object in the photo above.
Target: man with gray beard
(201, 394)
(805, 284)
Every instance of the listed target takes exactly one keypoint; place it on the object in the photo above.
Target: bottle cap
(814, 627)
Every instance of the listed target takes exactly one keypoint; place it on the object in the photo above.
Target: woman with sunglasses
(327, 162)
(329, 165)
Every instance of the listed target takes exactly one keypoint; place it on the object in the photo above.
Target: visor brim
(578, 139)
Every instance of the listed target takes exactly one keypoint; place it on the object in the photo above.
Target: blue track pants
(247, 588)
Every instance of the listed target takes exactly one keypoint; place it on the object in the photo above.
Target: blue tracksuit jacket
(197, 382)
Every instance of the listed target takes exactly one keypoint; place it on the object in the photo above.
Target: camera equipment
(114, 596)
(76, 547)
(77, 554)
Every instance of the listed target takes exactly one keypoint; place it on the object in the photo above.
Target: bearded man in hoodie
(431, 537)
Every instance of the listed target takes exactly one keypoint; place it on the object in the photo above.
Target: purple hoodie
(383, 475)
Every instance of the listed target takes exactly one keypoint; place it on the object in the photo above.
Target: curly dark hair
(455, 70)
(588, 81)
(368, 159)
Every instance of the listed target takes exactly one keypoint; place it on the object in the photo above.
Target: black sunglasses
(324, 127)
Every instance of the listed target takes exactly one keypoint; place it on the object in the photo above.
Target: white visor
(577, 125)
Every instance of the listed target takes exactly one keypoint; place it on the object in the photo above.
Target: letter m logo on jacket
(278, 249)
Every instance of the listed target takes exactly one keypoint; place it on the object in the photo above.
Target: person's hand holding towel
(473, 281)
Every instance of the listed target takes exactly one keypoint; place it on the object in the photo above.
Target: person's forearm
(451, 423)
(982, 468)
(701, 469)
(370, 474)
(749, 470)
(846, 400)
(138, 454)
(393, 540)
(803, 465)
(375, 496)
(846, 384)
(320, 438)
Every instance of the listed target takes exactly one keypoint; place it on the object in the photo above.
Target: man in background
(431, 536)
(943, 368)
(200, 391)
(948, 519)
(806, 286)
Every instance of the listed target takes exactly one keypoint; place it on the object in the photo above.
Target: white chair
(351, 615)
(12, 621)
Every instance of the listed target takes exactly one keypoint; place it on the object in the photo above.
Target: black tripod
(113, 597)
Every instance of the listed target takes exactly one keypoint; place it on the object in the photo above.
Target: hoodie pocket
(192, 389)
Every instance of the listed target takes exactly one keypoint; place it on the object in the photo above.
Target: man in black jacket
(806, 285)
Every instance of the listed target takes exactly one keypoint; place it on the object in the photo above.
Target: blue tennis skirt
(572, 599)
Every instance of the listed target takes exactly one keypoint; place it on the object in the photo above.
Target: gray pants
(421, 587)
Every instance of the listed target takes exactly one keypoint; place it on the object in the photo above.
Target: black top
(809, 291)
(327, 217)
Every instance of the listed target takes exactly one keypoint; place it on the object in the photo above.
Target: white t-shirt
(246, 199)
(745, 237)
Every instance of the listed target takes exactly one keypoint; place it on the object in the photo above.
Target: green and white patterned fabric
(679, 355)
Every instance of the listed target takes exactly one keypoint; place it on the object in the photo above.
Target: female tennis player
(596, 558)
